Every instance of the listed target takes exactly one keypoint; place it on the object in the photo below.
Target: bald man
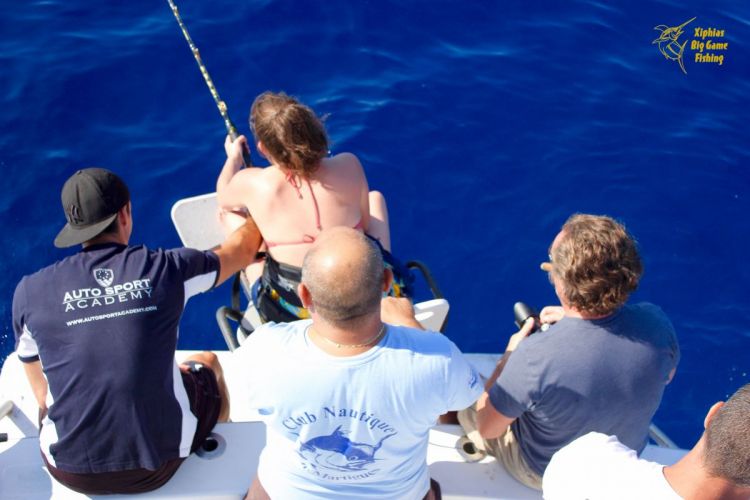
(348, 400)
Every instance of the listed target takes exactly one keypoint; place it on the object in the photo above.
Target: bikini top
(306, 238)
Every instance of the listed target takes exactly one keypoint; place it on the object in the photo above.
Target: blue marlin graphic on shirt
(473, 380)
(337, 452)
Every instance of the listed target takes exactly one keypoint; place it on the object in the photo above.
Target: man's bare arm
(238, 250)
(398, 312)
(38, 382)
(490, 422)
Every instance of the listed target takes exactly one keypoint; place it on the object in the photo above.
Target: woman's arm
(372, 204)
(373, 208)
(364, 193)
(232, 189)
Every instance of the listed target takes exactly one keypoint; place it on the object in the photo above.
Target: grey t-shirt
(582, 376)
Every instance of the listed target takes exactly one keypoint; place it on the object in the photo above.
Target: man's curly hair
(596, 262)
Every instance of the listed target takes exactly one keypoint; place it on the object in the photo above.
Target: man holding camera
(601, 366)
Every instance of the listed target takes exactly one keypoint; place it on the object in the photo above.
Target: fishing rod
(231, 129)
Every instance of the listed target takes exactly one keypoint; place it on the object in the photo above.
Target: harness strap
(277, 298)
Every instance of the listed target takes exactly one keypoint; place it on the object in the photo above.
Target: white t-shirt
(351, 427)
(597, 466)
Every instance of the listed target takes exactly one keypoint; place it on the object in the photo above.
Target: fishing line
(231, 129)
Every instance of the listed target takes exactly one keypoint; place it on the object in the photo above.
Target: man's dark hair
(597, 263)
(727, 450)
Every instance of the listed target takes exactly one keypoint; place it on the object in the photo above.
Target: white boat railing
(659, 437)
(6, 407)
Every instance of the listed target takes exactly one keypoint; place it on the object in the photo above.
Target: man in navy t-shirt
(602, 366)
(97, 332)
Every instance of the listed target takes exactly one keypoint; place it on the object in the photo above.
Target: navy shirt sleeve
(518, 387)
(199, 270)
(26, 347)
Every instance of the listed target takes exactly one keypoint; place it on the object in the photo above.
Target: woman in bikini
(301, 192)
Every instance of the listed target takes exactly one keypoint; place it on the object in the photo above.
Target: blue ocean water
(486, 124)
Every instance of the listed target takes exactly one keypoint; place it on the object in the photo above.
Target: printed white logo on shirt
(86, 298)
(104, 277)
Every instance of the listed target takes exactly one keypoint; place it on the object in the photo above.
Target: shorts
(505, 448)
(205, 403)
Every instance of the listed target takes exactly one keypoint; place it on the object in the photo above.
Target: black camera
(522, 312)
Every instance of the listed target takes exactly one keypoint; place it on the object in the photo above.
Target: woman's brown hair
(290, 131)
(597, 263)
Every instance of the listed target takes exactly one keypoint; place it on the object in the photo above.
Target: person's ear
(711, 413)
(387, 279)
(304, 296)
(124, 212)
(262, 150)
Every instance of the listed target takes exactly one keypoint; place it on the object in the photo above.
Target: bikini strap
(292, 179)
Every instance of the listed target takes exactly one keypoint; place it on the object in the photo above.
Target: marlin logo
(337, 452)
(104, 277)
(668, 44)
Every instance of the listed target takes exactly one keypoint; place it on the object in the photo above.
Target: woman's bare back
(290, 211)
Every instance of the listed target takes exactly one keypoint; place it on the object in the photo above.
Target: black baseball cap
(91, 199)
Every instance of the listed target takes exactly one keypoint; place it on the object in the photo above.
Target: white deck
(223, 474)
(227, 473)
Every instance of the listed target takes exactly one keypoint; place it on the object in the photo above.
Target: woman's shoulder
(344, 160)
(344, 165)
(261, 178)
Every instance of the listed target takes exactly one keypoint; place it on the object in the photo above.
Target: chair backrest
(196, 221)
(431, 314)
